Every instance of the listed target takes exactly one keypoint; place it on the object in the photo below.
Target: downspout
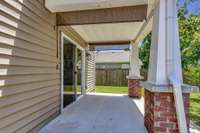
(178, 98)
(173, 63)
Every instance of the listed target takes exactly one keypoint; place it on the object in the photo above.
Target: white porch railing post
(83, 76)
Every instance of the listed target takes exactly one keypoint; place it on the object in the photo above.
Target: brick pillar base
(160, 112)
(134, 89)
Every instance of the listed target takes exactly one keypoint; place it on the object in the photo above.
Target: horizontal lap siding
(91, 72)
(29, 76)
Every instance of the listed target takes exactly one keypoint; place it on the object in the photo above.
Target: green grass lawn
(195, 108)
(194, 100)
(68, 88)
(111, 89)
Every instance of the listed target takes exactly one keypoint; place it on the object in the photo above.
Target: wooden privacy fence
(117, 77)
(144, 74)
(112, 77)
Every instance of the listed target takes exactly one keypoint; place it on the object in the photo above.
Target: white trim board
(72, 41)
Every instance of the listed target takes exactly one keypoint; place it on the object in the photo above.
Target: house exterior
(112, 60)
(112, 67)
(31, 56)
(30, 65)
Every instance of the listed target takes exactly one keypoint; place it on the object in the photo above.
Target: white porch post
(165, 71)
(165, 50)
(157, 73)
(83, 76)
(134, 71)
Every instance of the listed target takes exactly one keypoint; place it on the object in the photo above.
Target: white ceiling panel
(74, 5)
(108, 32)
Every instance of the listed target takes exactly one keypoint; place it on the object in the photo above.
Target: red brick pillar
(134, 89)
(160, 112)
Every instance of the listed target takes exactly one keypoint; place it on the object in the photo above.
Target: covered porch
(114, 22)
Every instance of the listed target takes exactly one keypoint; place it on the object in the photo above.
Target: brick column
(160, 112)
(134, 89)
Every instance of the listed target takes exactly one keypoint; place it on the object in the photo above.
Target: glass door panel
(79, 72)
(69, 76)
(72, 76)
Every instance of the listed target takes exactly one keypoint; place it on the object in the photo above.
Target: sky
(194, 7)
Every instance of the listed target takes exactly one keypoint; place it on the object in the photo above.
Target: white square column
(134, 71)
(157, 73)
(165, 72)
(165, 57)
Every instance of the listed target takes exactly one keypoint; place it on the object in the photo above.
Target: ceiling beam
(106, 15)
(110, 43)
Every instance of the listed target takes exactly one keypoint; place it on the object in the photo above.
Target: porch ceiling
(105, 21)
(107, 33)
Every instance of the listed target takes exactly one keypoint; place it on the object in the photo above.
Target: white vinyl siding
(29, 73)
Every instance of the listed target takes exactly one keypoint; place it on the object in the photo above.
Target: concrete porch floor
(100, 113)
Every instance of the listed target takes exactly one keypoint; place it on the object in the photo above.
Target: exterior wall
(29, 75)
(29, 65)
(90, 72)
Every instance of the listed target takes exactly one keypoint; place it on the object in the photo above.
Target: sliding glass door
(72, 72)
(69, 73)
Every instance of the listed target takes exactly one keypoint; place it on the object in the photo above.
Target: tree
(189, 30)
(144, 52)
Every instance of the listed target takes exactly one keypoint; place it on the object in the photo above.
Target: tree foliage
(189, 31)
(144, 52)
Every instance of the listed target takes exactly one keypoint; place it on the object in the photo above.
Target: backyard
(111, 89)
(194, 98)
(195, 108)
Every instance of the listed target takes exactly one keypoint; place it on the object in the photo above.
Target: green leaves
(144, 52)
(189, 31)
